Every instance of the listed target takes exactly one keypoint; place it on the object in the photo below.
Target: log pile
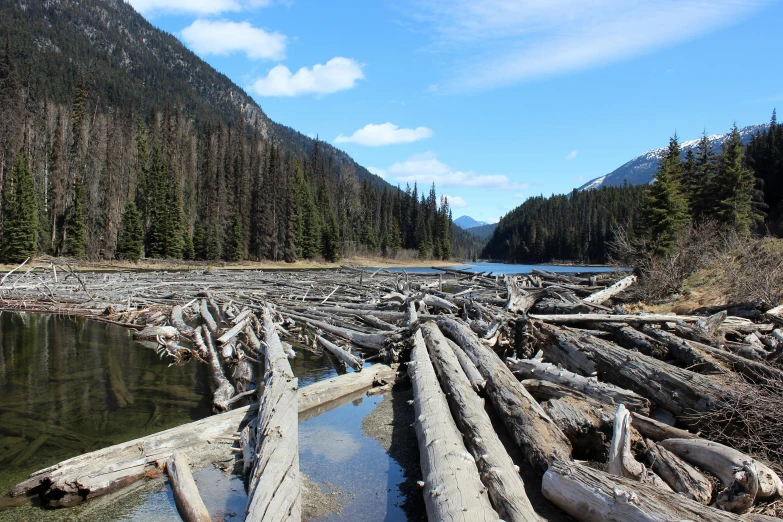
(684, 411)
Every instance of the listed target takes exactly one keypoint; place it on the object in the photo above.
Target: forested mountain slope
(129, 138)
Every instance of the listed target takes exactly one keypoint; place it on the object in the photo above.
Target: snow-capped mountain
(466, 222)
(642, 168)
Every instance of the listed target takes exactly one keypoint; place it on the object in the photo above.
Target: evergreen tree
(130, 244)
(213, 248)
(234, 245)
(200, 241)
(691, 181)
(188, 249)
(703, 195)
(734, 187)
(20, 213)
(665, 209)
(174, 218)
(76, 226)
(158, 209)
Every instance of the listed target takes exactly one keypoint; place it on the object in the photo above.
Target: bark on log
(676, 390)
(536, 368)
(633, 339)
(722, 461)
(189, 504)
(344, 355)
(557, 307)
(584, 422)
(589, 495)
(496, 469)
(685, 354)
(376, 323)
(274, 489)
(537, 435)
(604, 295)
(452, 489)
(678, 474)
(233, 331)
(151, 333)
(474, 376)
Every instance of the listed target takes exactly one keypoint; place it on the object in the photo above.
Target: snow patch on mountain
(642, 168)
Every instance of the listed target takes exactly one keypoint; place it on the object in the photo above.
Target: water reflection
(70, 385)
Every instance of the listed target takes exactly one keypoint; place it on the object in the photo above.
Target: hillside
(124, 130)
(642, 169)
(467, 222)
(484, 231)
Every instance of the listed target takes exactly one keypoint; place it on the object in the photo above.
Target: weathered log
(274, 489)
(365, 340)
(410, 317)
(207, 316)
(440, 303)
(151, 333)
(517, 300)
(223, 389)
(496, 469)
(376, 323)
(722, 461)
(684, 353)
(529, 425)
(556, 307)
(233, 331)
(474, 376)
(604, 295)
(711, 324)
(590, 495)
(614, 318)
(189, 504)
(452, 489)
(678, 474)
(633, 339)
(536, 368)
(344, 355)
(676, 390)
(621, 461)
(585, 423)
(178, 321)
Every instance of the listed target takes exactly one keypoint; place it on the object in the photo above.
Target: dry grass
(167, 264)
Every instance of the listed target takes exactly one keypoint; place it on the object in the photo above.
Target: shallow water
(509, 269)
(70, 385)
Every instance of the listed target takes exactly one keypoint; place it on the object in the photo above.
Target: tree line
(740, 188)
(93, 181)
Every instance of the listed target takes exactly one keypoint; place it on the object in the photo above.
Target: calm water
(503, 268)
(70, 385)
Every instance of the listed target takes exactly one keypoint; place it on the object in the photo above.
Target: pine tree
(130, 243)
(703, 196)
(734, 187)
(665, 209)
(76, 226)
(158, 210)
(20, 213)
(188, 249)
(200, 241)
(691, 181)
(213, 249)
(234, 245)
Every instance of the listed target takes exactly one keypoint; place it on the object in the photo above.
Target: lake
(510, 269)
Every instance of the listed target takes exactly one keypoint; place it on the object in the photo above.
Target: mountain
(467, 222)
(642, 168)
(484, 231)
(129, 138)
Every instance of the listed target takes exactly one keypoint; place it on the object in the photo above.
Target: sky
(493, 101)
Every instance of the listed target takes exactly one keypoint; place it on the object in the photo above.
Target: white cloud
(338, 74)
(378, 172)
(500, 42)
(372, 135)
(221, 37)
(201, 7)
(456, 201)
(572, 155)
(426, 169)
(520, 195)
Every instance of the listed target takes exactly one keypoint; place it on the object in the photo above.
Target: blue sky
(498, 100)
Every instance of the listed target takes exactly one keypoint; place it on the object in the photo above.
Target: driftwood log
(496, 469)
(274, 489)
(529, 425)
(452, 489)
(189, 504)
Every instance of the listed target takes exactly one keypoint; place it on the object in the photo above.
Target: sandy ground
(163, 264)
